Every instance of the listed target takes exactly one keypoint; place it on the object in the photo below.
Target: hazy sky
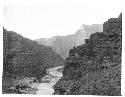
(47, 19)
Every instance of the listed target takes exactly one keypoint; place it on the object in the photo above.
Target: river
(48, 81)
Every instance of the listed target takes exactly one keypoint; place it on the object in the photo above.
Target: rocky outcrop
(94, 68)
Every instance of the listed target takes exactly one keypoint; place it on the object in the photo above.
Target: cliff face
(94, 68)
(20, 52)
(62, 44)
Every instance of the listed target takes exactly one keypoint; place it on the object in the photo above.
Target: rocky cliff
(94, 68)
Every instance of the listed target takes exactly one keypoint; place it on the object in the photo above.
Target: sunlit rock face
(62, 44)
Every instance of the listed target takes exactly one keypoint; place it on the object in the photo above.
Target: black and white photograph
(62, 47)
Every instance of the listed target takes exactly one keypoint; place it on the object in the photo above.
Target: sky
(36, 20)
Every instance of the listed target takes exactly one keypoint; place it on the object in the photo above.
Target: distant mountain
(62, 44)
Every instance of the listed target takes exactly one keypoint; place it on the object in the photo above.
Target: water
(46, 87)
